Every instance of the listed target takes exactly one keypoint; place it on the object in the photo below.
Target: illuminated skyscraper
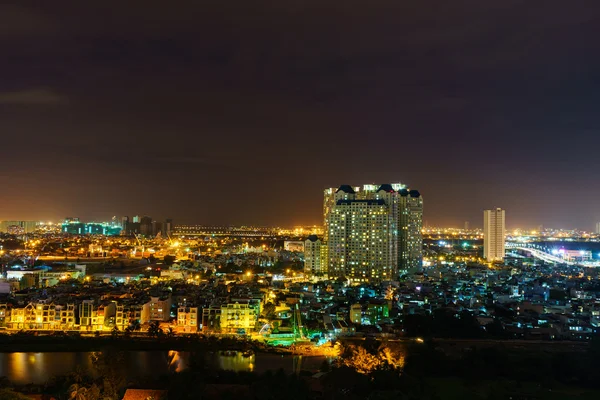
(410, 227)
(493, 234)
(329, 200)
(373, 233)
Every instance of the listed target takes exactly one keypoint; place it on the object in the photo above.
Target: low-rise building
(187, 319)
(236, 316)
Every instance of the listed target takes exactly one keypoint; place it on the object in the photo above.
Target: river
(23, 368)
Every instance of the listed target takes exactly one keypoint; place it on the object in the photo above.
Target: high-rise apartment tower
(372, 232)
(493, 234)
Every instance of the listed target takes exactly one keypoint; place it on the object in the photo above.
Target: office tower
(145, 225)
(598, 227)
(125, 225)
(157, 228)
(136, 219)
(466, 225)
(493, 234)
(313, 262)
(373, 232)
(168, 227)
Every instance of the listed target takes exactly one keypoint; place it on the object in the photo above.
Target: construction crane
(135, 248)
(298, 327)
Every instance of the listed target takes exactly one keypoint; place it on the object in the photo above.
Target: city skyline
(473, 225)
(107, 108)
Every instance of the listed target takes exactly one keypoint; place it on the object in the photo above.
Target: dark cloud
(39, 96)
(17, 22)
(477, 104)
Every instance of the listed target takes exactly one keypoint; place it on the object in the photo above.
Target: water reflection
(23, 368)
(235, 362)
(176, 363)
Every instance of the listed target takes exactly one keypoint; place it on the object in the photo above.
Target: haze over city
(218, 117)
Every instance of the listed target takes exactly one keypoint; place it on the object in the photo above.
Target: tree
(366, 363)
(154, 329)
(80, 392)
(8, 394)
(357, 358)
(389, 293)
(135, 326)
(114, 333)
(275, 326)
(111, 367)
(268, 311)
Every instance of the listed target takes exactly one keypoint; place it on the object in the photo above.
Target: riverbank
(69, 343)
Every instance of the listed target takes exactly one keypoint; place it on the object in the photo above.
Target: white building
(493, 234)
(313, 250)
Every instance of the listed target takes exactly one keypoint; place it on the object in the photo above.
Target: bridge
(547, 255)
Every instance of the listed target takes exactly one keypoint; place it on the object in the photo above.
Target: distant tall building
(19, 226)
(493, 234)
(598, 227)
(410, 227)
(314, 261)
(374, 232)
(167, 227)
(125, 225)
(136, 219)
(145, 225)
(466, 225)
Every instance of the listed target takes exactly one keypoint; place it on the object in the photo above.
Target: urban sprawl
(371, 270)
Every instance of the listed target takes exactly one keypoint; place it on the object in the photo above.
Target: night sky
(242, 112)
